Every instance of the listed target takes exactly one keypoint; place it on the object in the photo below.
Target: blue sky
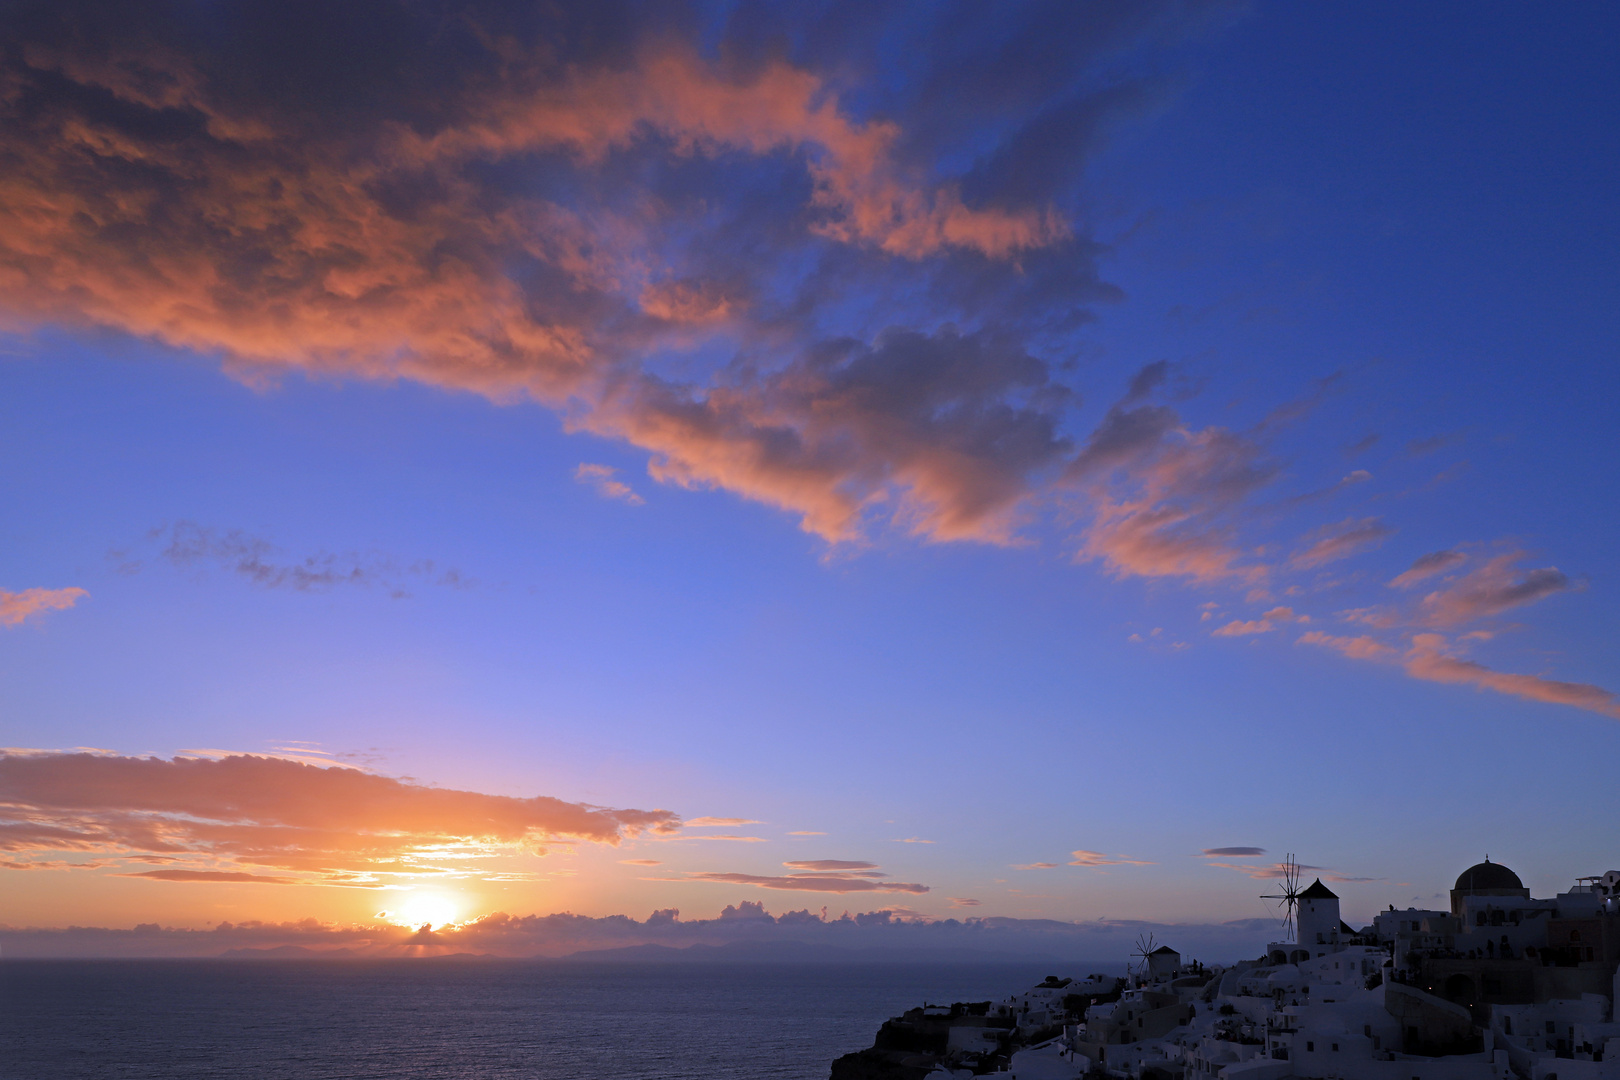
(1371, 245)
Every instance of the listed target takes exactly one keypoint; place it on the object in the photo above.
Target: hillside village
(1502, 986)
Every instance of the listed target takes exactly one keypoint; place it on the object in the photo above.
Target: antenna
(1288, 899)
(1144, 949)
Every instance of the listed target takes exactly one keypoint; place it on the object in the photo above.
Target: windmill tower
(1145, 946)
(1288, 898)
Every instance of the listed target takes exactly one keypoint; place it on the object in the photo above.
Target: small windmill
(1145, 945)
(1288, 899)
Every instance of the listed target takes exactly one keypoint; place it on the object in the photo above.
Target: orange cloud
(211, 875)
(249, 811)
(17, 606)
(711, 822)
(267, 237)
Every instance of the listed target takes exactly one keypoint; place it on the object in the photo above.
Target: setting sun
(425, 909)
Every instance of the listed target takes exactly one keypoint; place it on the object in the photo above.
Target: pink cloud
(1428, 660)
(1241, 628)
(720, 822)
(1340, 541)
(18, 606)
(1357, 648)
(600, 477)
(1097, 858)
(1427, 566)
(1036, 866)
(1163, 495)
(831, 883)
(1431, 658)
(1267, 872)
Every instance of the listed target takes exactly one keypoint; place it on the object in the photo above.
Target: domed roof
(1487, 875)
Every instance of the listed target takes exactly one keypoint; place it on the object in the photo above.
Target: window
(1507, 1025)
(1310, 1047)
(1366, 1029)
(1552, 1029)
(1335, 1048)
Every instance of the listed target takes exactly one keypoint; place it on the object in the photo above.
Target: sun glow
(425, 909)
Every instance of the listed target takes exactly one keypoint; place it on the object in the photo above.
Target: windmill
(1288, 899)
(1144, 949)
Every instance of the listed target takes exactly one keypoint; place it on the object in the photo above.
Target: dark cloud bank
(740, 933)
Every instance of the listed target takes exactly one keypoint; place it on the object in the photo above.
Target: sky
(936, 462)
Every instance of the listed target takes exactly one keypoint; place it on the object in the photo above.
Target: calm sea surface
(271, 1019)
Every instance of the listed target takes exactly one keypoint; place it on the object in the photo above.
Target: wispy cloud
(601, 477)
(1361, 647)
(15, 607)
(1233, 852)
(1427, 566)
(186, 544)
(1097, 858)
(1433, 658)
(806, 882)
(1498, 585)
(1341, 540)
(1036, 866)
(1430, 659)
(719, 822)
(237, 876)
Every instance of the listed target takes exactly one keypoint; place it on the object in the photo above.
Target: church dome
(1487, 876)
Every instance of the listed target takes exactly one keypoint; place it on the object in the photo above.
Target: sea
(460, 1019)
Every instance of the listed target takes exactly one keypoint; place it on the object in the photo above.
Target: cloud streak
(1340, 541)
(186, 545)
(600, 477)
(234, 814)
(17, 607)
(807, 882)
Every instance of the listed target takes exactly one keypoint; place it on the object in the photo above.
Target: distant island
(1500, 987)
